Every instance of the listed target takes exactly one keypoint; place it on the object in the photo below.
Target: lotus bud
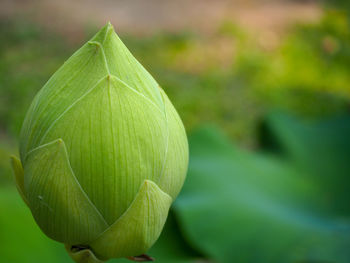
(103, 153)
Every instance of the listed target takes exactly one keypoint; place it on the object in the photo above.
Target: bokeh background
(263, 88)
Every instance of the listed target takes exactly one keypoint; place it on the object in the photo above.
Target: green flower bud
(103, 154)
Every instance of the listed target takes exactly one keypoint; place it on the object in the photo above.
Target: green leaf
(322, 149)
(242, 207)
(138, 228)
(171, 247)
(58, 203)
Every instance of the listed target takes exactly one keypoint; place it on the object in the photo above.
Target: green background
(269, 135)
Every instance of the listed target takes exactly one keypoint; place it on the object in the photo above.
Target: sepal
(19, 177)
(82, 254)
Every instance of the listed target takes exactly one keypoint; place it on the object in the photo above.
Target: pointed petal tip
(101, 36)
(13, 158)
(150, 185)
(59, 143)
(109, 26)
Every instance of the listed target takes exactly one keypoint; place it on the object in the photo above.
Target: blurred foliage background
(263, 90)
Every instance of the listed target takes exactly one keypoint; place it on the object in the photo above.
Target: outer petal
(138, 228)
(176, 158)
(77, 75)
(116, 138)
(124, 66)
(58, 203)
(104, 54)
(19, 176)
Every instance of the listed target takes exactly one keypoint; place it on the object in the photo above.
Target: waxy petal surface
(116, 138)
(19, 176)
(138, 228)
(57, 201)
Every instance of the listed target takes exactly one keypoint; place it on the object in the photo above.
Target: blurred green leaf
(171, 247)
(242, 207)
(322, 149)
